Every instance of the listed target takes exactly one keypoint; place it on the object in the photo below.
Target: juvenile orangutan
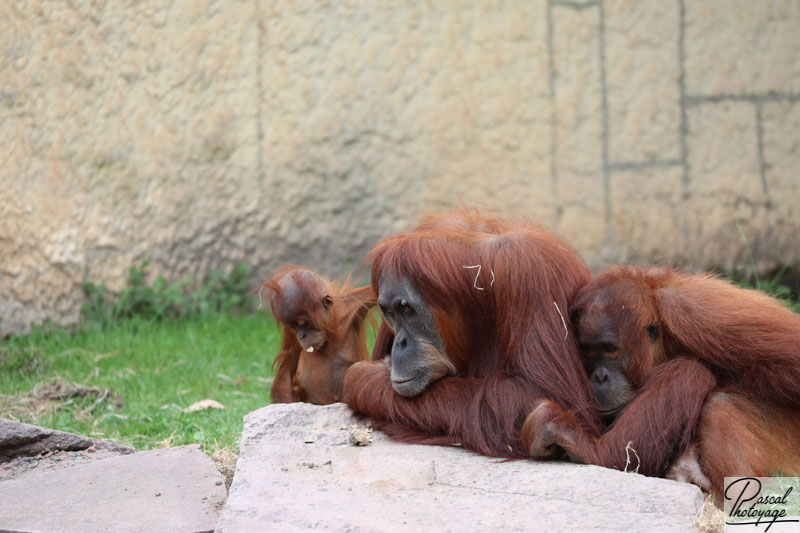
(324, 331)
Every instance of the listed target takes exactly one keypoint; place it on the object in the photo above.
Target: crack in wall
(601, 31)
(684, 125)
(551, 69)
(762, 164)
(259, 97)
(770, 96)
(624, 166)
(574, 5)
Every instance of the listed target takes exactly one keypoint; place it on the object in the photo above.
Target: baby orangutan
(323, 334)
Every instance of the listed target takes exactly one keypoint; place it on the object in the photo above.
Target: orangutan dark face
(418, 357)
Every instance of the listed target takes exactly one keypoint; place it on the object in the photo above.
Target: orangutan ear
(327, 301)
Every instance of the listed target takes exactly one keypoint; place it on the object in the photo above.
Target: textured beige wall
(198, 133)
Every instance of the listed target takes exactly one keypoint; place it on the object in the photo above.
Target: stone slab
(642, 73)
(647, 232)
(578, 113)
(28, 465)
(297, 471)
(170, 490)
(741, 46)
(20, 439)
(726, 189)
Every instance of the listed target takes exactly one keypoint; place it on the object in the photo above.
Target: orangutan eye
(300, 323)
(405, 308)
(387, 314)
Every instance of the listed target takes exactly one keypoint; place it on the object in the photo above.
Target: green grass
(156, 367)
(771, 286)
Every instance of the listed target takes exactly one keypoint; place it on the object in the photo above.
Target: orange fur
(723, 375)
(316, 377)
(501, 332)
(740, 436)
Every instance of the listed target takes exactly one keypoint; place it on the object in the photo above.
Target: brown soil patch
(225, 459)
(52, 396)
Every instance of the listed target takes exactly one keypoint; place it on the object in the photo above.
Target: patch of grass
(140, 357)
(156, 367)
(771, 286)
(218, 293)
(747, 276)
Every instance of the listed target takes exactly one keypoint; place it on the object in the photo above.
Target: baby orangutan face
(311, 338)
(303, 305)
(323, 334)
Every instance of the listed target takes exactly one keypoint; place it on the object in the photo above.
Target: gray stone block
(19, 439)
(284, 482)
(171, 490)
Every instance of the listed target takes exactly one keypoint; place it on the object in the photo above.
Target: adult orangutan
(655, 343)
(323, 334)
(473, 333)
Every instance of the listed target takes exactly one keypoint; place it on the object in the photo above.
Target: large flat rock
(170, 490)
(297, 471)
(19, 439)
(27, 449)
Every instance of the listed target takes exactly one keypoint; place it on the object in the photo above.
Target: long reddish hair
(499, 291)
(747, 337)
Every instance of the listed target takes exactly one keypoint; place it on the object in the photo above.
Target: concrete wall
(195, 133)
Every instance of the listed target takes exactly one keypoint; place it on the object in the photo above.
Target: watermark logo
(762, 504)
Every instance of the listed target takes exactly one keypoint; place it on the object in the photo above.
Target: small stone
(308, 440)
(359, 437)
